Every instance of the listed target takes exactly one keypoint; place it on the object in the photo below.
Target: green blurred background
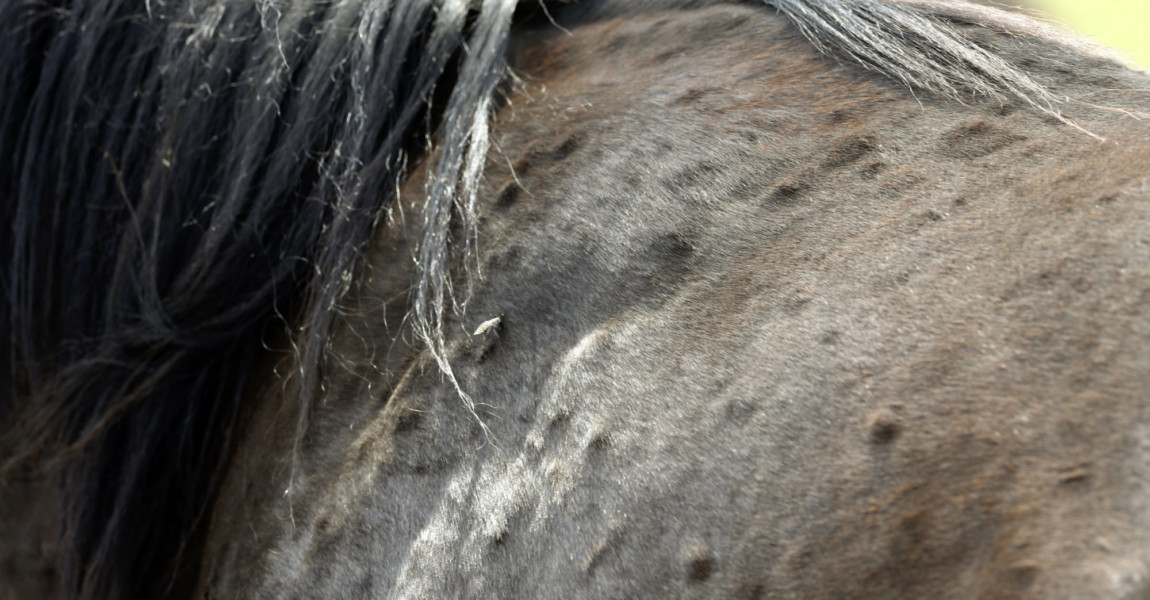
(1122, 24)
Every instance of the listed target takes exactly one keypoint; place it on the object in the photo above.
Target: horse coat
(741, 320)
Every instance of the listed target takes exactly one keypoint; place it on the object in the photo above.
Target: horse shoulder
(751, 323)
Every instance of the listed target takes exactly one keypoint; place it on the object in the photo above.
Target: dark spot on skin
(657, 270)
(557, 426)
(662, 148)
(568, 146)
(1108, 198)
(702, 565)
(960, 202)
(932, 215)
(672, 247)
(1082, 285)
(663, 57)
(697, 175)
(831, 337)
(689, 97)
(500, 538)
(976, 140)
(751, 138)
(600, 441)
(884, 427)
(740, 410)
(913, 530)
(1005, 110)
(409, 421)
(838, 117)
(976, 129)
(521, 167)
(716, 29)
(692, 96)
(796, 304)
(873, 169)
(543, 155)
(1023, 575)
(848, 152)
(786, 192)
(509, 259)
(559, 420)
(508, 197)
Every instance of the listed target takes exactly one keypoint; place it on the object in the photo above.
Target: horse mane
(182, 177)
(177, 175)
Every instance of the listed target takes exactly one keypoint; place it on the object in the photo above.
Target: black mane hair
(174, 175)
(179, 176)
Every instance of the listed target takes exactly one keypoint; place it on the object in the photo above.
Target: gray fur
(774, 330)
(185, 177)
(909, 41)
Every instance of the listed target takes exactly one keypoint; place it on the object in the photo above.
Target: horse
(670, 298)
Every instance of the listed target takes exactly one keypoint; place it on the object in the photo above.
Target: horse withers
(723, 316)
